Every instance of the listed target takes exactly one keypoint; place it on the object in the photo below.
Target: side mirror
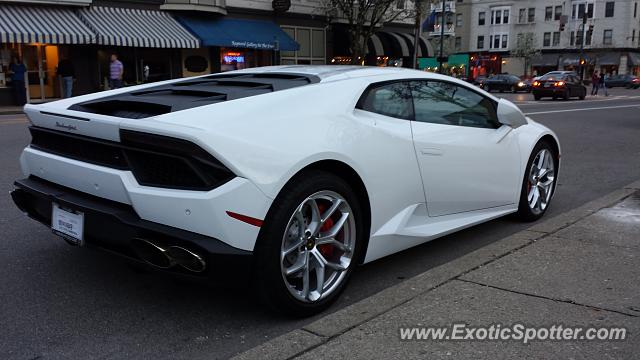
(509, 114)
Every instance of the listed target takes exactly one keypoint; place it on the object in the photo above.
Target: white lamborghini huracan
(291, 174)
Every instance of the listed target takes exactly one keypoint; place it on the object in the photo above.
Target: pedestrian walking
(603, 84)
(18, 71)
(595, 83)
(116, 70)
(66, 72)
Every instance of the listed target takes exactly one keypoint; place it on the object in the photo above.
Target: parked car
(505, 82)
(559, 84)
(478, 80)
(629, 81)
(285, 174)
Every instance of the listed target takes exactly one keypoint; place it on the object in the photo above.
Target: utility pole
(441, 57)
(582, 36)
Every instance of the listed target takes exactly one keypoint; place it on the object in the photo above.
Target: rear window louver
(190, 93)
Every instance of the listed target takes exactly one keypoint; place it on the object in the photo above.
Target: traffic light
(561, 27)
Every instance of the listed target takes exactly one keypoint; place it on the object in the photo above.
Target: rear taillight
(559, 83)
(536, 83)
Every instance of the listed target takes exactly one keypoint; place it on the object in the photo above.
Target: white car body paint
(267, 139)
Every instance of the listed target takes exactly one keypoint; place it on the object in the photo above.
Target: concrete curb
(324, 329)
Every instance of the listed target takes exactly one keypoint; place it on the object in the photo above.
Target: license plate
(547, 85)
(68, 224)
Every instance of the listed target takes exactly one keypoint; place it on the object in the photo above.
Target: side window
(449, 104)
(391, 99)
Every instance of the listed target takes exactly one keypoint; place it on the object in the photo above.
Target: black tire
(525, 213)
(566, 95)
(536, 97)
(583, 95)
(268, 278)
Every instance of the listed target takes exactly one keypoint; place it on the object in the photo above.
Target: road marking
(583, 109)
(588, 100)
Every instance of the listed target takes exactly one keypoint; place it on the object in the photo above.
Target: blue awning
(240, 33)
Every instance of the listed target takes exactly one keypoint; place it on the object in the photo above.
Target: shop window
(196, 63)
(312, 46)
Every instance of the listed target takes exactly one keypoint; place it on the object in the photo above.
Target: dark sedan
(505, 82)
(559, 84)
(629, 81)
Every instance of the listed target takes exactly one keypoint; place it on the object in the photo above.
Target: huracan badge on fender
(294, 174)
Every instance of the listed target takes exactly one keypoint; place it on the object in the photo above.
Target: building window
(578, 9)
(490, 41)
(607, 37)
(572, 38)
(532, 15)
(587, 39)
(546, 39)
(496, 41)
(480, 42)
(556, 39)
(522, 16)
(496, 17)
(505, 16)
(579, 35)
(608, 8)
(633, 36)
(458, 20)
(458, 43)
(548, 13)
(505, 41)
(481, 18)
(312, 46)
(635, 10)
(557, 13)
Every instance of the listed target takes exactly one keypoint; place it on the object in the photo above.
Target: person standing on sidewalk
(18, 71)
(116, 70)
(595, 82)
(66, 72)
(603, 83)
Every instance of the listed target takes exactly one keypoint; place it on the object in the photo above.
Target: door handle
(431, 151)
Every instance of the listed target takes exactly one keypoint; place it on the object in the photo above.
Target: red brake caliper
(326, 250)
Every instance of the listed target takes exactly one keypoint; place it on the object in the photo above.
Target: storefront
(633, 61)
(240, 43)
(484, 64)
(41, 36)
(145, 41)
(384, 48)
(543, 63)
(457, 65)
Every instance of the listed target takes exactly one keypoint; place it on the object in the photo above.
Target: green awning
(458, 60)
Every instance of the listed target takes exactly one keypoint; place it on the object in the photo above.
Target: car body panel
(267, 139)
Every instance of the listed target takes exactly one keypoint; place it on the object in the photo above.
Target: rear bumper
(112, 226)
(548, 91)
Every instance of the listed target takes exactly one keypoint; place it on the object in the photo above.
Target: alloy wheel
(541, 181)
(318, 246)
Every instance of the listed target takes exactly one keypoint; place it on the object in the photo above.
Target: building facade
(164, 39)
(554, 36)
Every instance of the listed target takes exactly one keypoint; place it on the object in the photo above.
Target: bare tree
(526, 48)
(363, 18)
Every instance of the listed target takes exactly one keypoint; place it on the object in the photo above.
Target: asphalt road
(60, 302)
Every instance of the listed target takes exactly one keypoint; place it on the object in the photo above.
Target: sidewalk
(579, 269)
(10, 110)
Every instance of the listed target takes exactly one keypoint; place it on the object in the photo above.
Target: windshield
(552, 77)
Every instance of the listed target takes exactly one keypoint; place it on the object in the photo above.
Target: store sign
(231, 57)
(252, 45)
(281, 5)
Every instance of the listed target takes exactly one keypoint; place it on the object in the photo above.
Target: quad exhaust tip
(166, 258)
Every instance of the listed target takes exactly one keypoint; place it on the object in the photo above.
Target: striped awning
(395, 44)
(137, 27)
(42, 24)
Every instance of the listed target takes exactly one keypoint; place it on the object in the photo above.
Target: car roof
(330, 72)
